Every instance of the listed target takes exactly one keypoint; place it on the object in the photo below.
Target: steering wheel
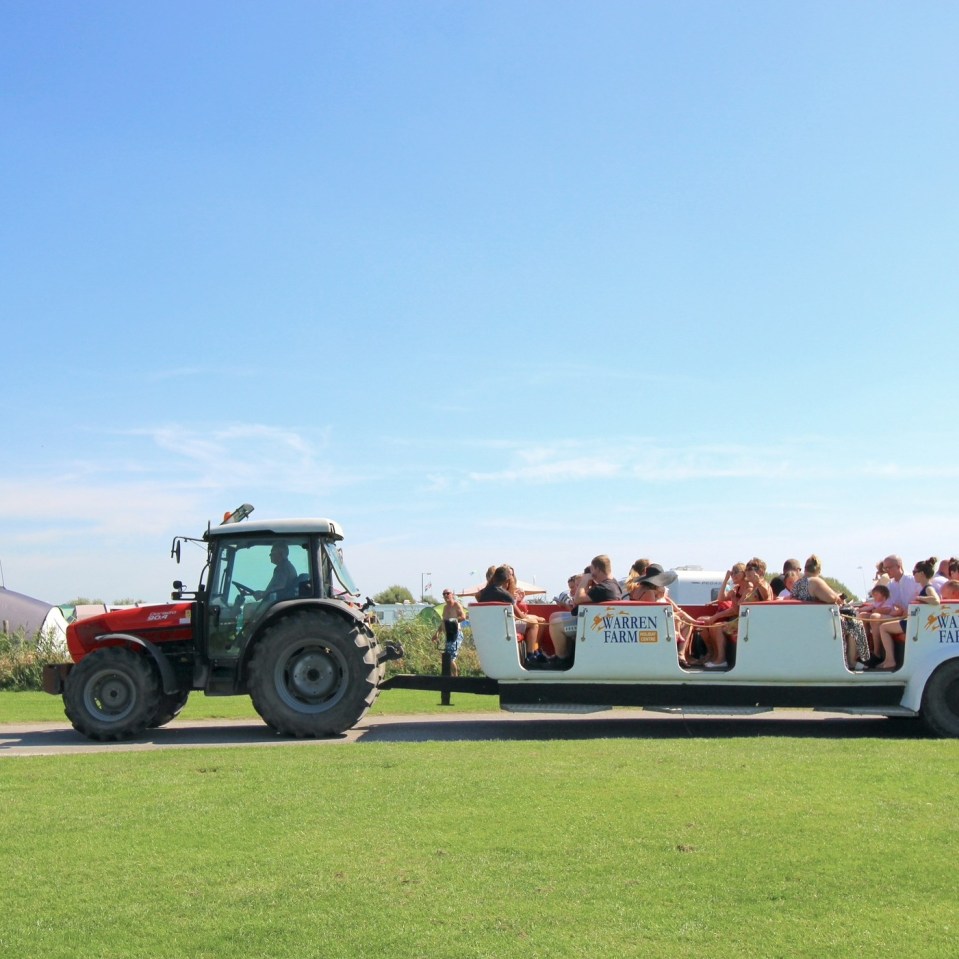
(244, 590)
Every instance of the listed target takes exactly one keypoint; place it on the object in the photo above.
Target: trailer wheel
(112, 694)
(169, 708)
(313, 674)
(940, 700)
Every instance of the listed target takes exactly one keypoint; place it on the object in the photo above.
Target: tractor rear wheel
(112, 694)
(314, 673)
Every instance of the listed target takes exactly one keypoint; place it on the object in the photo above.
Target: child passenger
(879, 600)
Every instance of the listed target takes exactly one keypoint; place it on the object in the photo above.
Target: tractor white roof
(282, 527)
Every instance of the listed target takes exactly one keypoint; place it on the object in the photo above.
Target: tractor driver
(282, 585)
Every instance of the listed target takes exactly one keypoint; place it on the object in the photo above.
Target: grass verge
(43, 708)
(694, 848)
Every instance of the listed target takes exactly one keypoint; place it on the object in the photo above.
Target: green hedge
(23, 657)
(423, 654)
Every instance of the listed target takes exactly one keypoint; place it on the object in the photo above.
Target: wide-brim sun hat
(657, 577)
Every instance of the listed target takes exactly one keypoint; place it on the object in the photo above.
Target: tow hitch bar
(390, 651)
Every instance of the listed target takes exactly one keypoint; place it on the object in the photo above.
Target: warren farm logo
(618, 627)
(946, 625)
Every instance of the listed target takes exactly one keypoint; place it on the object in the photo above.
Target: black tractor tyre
(112, 694)
(169, 708)
(314, 673)
(940, 701)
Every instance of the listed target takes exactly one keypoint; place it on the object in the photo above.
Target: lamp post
(423, 585)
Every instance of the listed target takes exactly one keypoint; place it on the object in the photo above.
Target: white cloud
(76, 508)
(253, 456)
(563, 470)
(654, 461)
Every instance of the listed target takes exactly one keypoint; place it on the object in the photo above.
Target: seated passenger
(731, 586)
(872, 619)
(924, 574)
(812, 588)
(792, 570)
(947, 591)
(652, 589)
(565, 597)
(942, 575)
(635, 575)
(526, 622)
(881, 578)
(497, 590)
(789, 579)
(755, 590)
(895, 629)
(653, 580)
(950, 591)
(878, 601)
(723, 625)
(758, 589)
(902, 591)
(595, 586)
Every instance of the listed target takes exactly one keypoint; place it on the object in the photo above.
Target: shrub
(841, 587)
(394, 594)
(23, 657)
(423, 653)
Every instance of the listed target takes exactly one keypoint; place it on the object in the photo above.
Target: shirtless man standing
(453, 616)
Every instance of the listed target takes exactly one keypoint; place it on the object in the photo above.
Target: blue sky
(484, 282)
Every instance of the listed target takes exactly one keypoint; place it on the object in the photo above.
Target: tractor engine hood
(164, 623)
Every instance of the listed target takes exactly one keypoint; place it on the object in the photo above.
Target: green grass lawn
(41, 707)
(758, 847)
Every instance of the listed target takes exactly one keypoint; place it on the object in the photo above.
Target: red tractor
(275, 615)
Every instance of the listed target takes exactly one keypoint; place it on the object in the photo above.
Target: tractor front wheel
(112, 694)
(314, 673)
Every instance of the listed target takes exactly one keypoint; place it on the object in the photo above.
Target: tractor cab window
(341, 585)
(249, 576)
(267, 571)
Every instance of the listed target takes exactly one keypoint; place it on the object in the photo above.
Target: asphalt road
(47, 739)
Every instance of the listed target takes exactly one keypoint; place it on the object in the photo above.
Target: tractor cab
(257, 565)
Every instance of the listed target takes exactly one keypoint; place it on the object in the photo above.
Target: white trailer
(786, 654)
